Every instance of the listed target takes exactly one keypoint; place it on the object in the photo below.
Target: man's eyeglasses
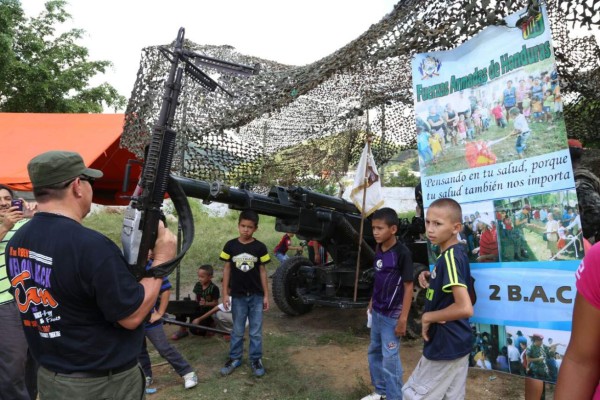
(81, 178)
(87, 178)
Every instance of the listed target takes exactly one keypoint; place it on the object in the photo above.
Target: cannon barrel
(306, 196)
(332, 221)
(281, 202)
(238, 199)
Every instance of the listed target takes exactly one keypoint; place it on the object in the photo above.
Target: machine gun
(298, 285)
(140, 224)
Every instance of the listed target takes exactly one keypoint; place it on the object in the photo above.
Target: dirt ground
(346, 365)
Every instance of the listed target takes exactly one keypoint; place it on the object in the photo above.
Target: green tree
(404, 178)
(44, 71)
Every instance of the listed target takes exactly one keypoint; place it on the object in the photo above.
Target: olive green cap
(54, 167)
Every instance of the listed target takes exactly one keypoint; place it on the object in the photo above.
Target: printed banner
(491, 135)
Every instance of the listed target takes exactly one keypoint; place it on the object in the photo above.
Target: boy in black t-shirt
(442, 370)
(245, 291)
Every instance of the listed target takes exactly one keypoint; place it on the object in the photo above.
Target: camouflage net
(303, 125)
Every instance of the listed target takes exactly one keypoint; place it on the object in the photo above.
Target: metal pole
(382, 169)
(362, 211)
(179, 227)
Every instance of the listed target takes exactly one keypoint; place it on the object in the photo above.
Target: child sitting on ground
(207, 296)
(223, 319)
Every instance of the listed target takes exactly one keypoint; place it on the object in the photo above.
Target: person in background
(514, 358)
(502, 360)
(488, 242)
(574, 228)
(520, 130)
(283, 246)
(521, 221)
(550, 350)
(509, 99)
(484, 362)
(423, 146)
(17, 367)
(536, 357)
(552, 236)
(316, 252)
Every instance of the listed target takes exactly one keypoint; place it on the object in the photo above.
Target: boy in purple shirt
(389, 306)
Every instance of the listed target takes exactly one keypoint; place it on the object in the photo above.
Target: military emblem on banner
(430, 67)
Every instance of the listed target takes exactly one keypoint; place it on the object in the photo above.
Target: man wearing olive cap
(81, 307)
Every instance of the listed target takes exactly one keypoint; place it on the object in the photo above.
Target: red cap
(575, 144)
(537, 336)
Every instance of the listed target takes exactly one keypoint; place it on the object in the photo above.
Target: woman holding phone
(17, 370)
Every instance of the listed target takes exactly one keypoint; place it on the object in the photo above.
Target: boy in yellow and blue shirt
(442, 370)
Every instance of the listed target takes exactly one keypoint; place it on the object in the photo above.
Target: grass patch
(350, 337)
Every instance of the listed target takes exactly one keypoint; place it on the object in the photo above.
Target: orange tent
(94, 136)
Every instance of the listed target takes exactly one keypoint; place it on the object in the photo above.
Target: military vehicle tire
(287, 282)
(418, 303)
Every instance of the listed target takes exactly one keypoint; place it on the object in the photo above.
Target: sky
(290, 32)
(286, 31)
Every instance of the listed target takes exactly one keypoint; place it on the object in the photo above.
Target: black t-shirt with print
(245, 259)
(72, 286)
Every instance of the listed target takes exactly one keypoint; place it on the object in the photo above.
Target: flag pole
(362, 211)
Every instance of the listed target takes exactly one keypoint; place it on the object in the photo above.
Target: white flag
(371, 189)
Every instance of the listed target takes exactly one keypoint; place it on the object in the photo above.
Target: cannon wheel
(418, 303)
(286, 283)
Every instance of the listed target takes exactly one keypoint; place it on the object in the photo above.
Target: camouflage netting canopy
(296, 125)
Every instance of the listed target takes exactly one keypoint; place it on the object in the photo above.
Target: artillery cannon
(298, 285)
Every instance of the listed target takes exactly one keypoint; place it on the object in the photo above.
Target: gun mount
(298, 285)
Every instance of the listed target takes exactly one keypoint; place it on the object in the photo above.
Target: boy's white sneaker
(374, 396)
(190, 380)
